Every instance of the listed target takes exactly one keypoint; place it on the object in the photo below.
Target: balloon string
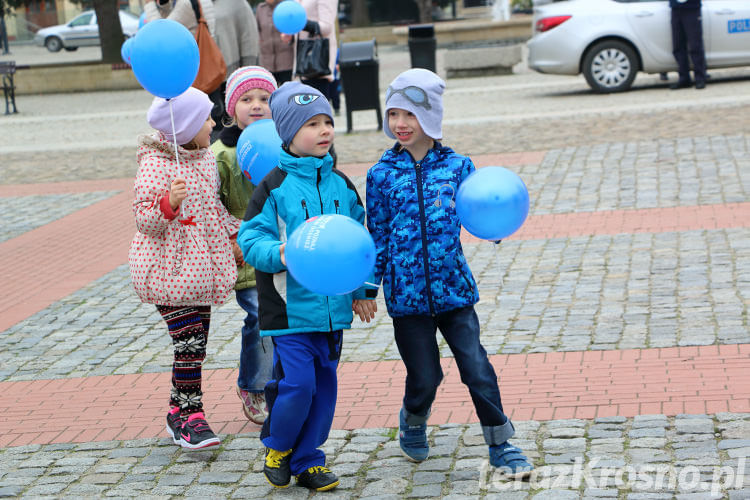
(174, 136)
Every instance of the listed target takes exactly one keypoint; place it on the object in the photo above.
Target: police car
(609, 41)
(81, 31)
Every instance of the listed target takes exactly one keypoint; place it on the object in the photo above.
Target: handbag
(312, 57)
(212, 70)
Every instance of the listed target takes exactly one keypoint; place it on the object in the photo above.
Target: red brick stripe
(48, 263)
(540, 386)
(649, 220)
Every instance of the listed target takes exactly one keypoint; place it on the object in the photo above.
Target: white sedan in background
(609, 41)
(81, 31)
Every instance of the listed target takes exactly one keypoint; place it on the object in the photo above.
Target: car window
(82, 20)
(128, 15)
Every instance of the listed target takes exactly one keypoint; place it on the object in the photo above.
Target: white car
(80, 31)
(609, 41)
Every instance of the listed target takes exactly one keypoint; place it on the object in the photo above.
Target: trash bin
(359, 68)
(422, 45)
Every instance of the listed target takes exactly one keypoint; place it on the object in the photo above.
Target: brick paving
(616, 317)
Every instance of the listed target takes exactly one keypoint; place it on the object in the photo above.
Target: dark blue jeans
(256, 354)
(417, 344)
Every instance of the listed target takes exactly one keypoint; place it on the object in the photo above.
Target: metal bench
(7, 70)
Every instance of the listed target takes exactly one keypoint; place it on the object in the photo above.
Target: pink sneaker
(253, 406)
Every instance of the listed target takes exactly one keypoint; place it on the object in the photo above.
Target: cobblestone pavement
(24, 213)
(648, 457)
(642, 150)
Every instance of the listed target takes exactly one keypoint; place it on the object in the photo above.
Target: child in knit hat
(180, 259)
(411, 215)
(247, 93)
(306, 327)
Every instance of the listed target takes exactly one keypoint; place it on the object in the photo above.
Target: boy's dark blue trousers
(417, 344)
(301, 396)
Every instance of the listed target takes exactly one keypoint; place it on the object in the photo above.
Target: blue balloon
(492, 203)
(125, 50)
(142, 20)
(258, 150)
(165, 58)
(330, 254)
(289, 17)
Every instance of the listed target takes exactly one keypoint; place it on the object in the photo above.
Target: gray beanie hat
(292, 105)
(420, 92)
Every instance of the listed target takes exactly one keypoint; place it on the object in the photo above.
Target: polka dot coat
(182, 257)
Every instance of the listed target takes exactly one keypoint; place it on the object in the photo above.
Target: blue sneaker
(510, 461)
(413, 439)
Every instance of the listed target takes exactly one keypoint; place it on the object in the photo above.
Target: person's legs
(188, 327)
(415, 338)
(256, 355)
(4, 36)
(315, 430)
(217, 112)
(460, 328)
(336, 96)
(679, 46)
(256, 358)
(323, 85)
(292, 396)
(289, 396)
(417, 345)
(282, 76)
(189, 337)
(694, 33)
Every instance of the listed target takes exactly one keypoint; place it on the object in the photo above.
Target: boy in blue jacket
(306, 328)
(428, 286)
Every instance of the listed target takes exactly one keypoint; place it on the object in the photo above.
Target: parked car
(80, 31)
(609, 41)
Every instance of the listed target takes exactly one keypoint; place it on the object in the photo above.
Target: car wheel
(71, 49)
(53, 44)
(610, 66)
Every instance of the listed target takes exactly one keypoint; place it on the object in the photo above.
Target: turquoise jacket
(299, 188)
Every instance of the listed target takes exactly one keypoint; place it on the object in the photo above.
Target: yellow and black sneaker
(276, 468)
(318, 478)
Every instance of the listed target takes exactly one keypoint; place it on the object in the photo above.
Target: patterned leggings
(188, 327)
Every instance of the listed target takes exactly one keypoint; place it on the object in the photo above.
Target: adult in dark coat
(687, 37)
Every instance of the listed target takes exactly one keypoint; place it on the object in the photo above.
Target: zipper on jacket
(320, 197)
(304, 206)
(423, 225)
(336, 204)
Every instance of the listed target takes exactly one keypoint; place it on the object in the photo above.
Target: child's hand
(286, 38)
(237, 251)
(366, 309)
(281, 251)
(177, 193)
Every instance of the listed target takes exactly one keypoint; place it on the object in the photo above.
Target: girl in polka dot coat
(181, 258)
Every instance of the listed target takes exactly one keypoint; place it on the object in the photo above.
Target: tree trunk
(110, 30)
(360, 13)
(425, 11)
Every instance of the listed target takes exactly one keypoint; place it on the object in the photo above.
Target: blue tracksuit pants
(301, 396)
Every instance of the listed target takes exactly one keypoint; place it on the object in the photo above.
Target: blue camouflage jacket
(299, 188)
(411, 215)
